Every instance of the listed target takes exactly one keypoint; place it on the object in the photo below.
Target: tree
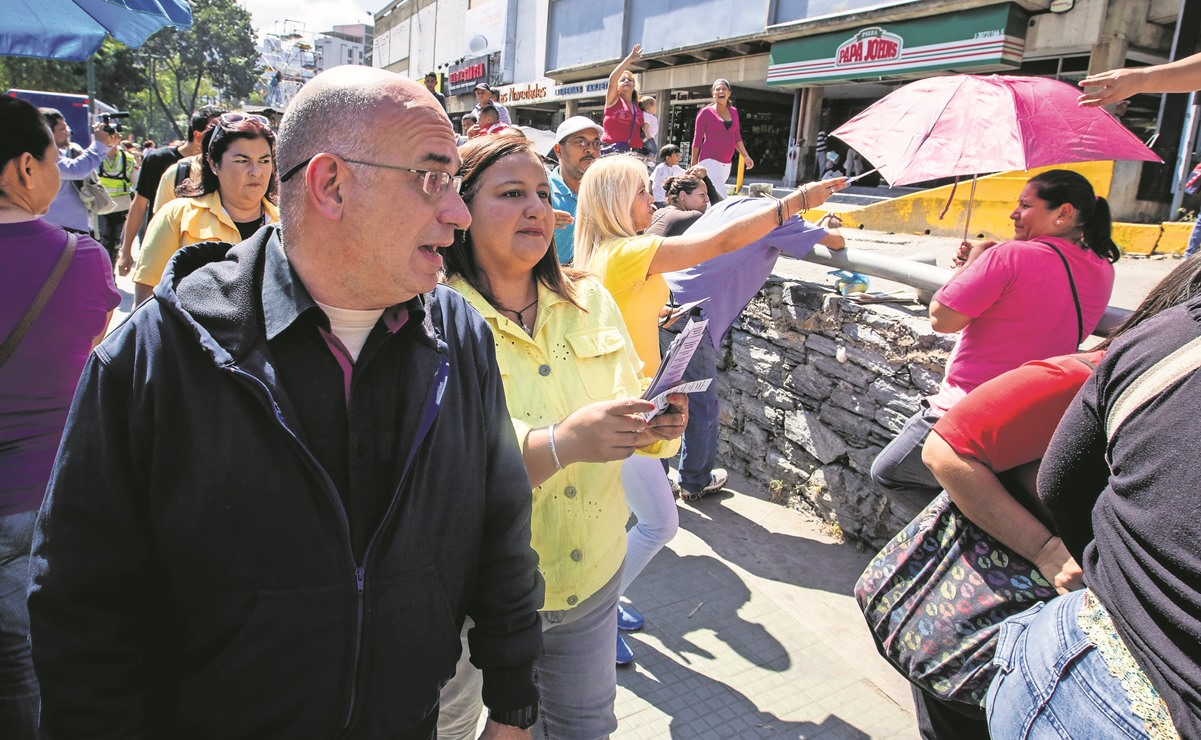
(218, 52)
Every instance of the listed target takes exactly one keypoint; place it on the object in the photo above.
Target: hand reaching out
(1111, 86)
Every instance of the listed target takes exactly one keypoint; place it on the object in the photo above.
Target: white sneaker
(717, 481)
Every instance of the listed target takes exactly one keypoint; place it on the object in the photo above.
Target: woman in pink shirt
(717, 135)
(1036, 296)
(623, 118)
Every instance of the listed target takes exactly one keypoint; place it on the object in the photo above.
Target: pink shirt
(712, 140)
(617, 124)
(1018, 297)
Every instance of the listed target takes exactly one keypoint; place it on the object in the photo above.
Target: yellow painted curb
(1174, 238)
(1137, 238)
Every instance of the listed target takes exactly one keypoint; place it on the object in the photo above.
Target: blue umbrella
(71, 30)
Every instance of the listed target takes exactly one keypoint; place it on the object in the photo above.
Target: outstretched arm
(688, 249)
(1180, 76)
(611, 94)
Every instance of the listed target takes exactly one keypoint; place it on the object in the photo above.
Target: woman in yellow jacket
(572, 382)
(232, 197)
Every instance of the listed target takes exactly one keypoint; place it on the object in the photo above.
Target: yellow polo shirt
(186, 221)
(574, 358)
(622, 266)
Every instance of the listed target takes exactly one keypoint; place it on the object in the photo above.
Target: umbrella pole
(971, 198)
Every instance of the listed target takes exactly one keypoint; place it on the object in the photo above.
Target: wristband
(779, 213)
(554, 455)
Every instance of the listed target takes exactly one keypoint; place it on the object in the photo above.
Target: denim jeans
(576, 675)
(698, 448)
(648, 495)
(1052, 682)
(899, 465)
(1194, 240)
(18, 686)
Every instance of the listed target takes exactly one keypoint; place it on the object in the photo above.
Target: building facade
(796, 67)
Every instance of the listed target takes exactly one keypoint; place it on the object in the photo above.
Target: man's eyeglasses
(581, 143)
(433, 182)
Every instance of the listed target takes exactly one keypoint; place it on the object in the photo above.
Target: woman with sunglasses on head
(615, 208)
(231, 197)
(572, 384)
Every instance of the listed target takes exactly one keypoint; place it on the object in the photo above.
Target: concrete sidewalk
(752, 632)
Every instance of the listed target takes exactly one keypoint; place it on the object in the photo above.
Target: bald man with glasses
(288, 479)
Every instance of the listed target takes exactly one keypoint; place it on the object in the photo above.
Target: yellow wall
(994, 200)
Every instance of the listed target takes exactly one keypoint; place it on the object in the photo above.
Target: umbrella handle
(971, 198)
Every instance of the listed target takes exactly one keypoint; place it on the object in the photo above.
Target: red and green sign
(982, 37)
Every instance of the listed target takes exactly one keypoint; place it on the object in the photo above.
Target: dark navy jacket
(193, 574)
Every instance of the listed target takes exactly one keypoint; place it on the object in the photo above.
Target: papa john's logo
(869, 45)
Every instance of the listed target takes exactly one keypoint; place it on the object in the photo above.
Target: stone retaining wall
(812, 386)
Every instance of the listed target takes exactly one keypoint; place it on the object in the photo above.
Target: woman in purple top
(38, 379)
(623, 118)
(717, 135)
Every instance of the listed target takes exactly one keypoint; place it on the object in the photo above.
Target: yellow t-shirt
(573, 359)
(166, 184)
(186, 221)
(622, 266)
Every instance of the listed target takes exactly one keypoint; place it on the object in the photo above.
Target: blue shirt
(562, 199)
(731, 280)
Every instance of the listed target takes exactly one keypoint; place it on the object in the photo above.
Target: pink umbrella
(968, 125)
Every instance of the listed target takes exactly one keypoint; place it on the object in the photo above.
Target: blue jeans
(899, 465)
(19, 701)
(1194, 240)
(698, 448)
(576, 675)
(1052, 682)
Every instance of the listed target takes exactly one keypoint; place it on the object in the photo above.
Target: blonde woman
(615, 207)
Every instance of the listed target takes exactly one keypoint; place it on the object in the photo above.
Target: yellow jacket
(186, 221)
(574, 358)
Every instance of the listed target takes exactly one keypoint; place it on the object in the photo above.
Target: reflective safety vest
(119, 179)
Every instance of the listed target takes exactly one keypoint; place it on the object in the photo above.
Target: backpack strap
(40, 300)
(183, 171)
(1161, 376)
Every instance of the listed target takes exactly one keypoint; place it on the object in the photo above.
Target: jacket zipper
(360, 571)
(429, 412)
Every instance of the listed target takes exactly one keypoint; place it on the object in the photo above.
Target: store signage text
(471, 73)
(582, 89)
(527, 93)
(870, 45)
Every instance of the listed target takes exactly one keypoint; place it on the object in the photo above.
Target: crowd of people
(349, 475)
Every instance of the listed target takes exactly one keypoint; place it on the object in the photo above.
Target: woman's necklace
(520, 319)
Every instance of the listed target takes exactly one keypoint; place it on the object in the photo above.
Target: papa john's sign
(969, 40)
(869, 46)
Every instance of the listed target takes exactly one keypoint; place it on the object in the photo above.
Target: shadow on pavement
(787, 558)
(701, 707)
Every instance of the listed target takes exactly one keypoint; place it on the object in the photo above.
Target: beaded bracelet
(553, 453)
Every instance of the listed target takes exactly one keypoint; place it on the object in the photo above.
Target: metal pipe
(920, 276)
